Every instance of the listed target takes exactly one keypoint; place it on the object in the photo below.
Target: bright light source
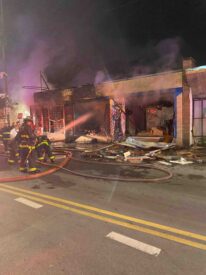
(26, 113)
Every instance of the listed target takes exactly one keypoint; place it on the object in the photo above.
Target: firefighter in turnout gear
(26, 140)
(43, 148)
(5, 135)
(13, 148)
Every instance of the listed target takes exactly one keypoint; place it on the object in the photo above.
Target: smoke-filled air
(79, 42)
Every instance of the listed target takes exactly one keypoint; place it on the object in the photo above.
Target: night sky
(88, 41)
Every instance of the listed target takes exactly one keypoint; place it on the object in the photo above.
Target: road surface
(64, 224)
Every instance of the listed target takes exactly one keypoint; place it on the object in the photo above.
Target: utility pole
(2, 43)
(3, 62)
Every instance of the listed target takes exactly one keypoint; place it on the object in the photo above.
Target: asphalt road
(66, 236)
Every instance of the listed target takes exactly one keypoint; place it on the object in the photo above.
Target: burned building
(164, 106)
(54, 111)
(170, 104)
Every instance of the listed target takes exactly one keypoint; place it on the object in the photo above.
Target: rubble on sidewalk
(139, 143)
(92, 137)
(157, 132)
(85, 139)
(182, 161)
(126, 152)
(57, 136)
(133, 150)
(164, 163)
(100, 138)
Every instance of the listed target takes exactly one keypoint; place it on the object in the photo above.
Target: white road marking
(29, 203)
(146, 248)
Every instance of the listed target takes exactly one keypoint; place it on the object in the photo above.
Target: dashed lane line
(29, 203)
(143, 247)
(110, 220)
(112, 214)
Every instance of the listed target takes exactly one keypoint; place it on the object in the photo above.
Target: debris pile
(135, 151)
(132, 151)
(93, 137)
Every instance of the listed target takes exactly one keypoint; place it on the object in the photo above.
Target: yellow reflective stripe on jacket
(6, 138)
(41, 158)
(32, 169)
(27, 146)
(22, 169)
(43, 142)
(6, 133)
(23, 146)
(24, 136)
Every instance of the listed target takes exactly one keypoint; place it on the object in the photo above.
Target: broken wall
(136, 106)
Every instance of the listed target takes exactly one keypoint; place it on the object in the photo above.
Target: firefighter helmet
(28, 119)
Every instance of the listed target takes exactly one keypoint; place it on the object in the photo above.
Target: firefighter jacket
(25, 137)
(43, 140)
(5, 133)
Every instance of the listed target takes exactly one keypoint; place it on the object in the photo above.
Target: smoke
(165, 55)
(99, 78)
(27, 55)
(75, 43)
(170, 54)
(28, 74)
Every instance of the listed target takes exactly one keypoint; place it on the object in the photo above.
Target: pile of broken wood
(163, 153)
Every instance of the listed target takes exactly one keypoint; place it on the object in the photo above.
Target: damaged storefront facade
(55, 111)
(171, 105)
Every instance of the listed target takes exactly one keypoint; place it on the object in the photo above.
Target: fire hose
(69, 157)
(168, 173)
(39, 175)
(144, 166)
(153, 167)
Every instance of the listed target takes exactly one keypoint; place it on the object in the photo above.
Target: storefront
(55, 113)
(151, 115)
(162, 103)
(169, 106)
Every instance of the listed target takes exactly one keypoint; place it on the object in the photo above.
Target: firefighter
(13, 148)
(43, 148)
(26, 140)
(5, 133)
